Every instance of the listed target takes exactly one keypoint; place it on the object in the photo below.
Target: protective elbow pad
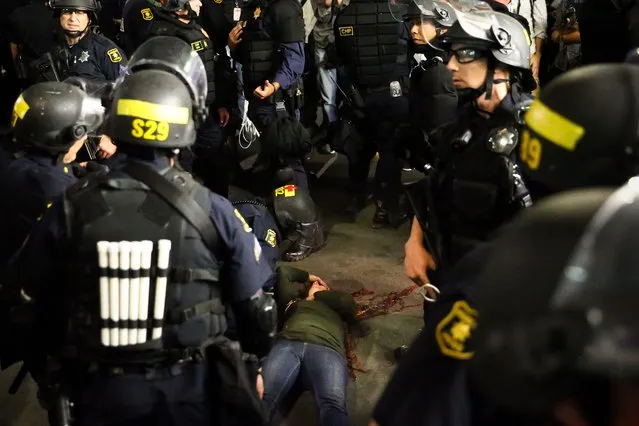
(257, 323)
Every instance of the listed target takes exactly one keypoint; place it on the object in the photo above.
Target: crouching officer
(378, 83)
(166, 258)
(79, 52)
(51, 121)
(268, 41)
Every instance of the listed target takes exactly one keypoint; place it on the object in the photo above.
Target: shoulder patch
(218, 1)
(245, 225)
(199, 45)
(147, 14)
(114, 55)
(271, 238)
(454, 331)
(287, 191)
(346, 31)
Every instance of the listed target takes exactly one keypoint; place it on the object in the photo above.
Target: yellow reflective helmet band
(151, 111)
(20, 109)
(553, 127)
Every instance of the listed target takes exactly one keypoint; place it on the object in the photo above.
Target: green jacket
(320, 321)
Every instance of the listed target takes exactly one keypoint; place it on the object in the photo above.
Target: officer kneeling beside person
(136, 268)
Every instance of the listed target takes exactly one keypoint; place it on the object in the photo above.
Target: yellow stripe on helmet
(20, 109)
(553, 127)
(151, 111)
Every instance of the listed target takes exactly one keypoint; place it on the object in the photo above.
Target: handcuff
(424, 293)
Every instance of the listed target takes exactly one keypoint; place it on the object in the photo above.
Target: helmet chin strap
(76, 34)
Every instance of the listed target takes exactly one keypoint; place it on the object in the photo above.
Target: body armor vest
(474, 190)
(367, 41)
(116, 208)
(166, 25)
(258, 52)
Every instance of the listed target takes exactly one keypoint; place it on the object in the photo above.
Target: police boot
(354, 206)
(311, 239)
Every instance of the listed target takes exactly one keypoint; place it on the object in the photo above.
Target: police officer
(31, 34)
(432, 95)
(577, 148)
(179, 18)
(51, 121)
(378, 82)
(268, 41)
(183, 254)
(474, 186)
(79, 51)
(137, 18)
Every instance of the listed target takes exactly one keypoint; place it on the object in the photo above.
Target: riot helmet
(568, 327)
(50, 117)
(405, 10)
(91, 7)
(175, 56)
(152, 108)
(505, 41)
(567, 142)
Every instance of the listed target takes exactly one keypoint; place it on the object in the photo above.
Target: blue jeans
(323, 370)
(327, 83)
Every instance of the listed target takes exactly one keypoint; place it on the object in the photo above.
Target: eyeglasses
(72, 11)
(467, 55)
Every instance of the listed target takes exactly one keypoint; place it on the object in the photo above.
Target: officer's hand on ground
(235, 36)
(106, 148)
(266, 90)
(417, 262)
(224, 116)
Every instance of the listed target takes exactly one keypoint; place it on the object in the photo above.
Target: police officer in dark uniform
(178, 252)
(179, 18)
(375, 60)
(31, 29)
(51, 121)
(474, 186)
(575, 147)
(79, 52)
(137, 18)
(432, 95)
(268, 41)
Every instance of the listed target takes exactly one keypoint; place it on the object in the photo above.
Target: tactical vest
(368, 43)
(116, 208)
(258, 53)
(165, 25)
(474, 192)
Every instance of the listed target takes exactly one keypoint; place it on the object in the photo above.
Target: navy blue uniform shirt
(137, 18)
(264, 227)
(96, 57)
(29, 184)
(244, 264)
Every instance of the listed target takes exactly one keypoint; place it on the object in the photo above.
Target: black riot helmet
(506, 39)
(582, 130)
(50, 117)
(175, 56)
(152, 108)
(93, 7)
(557, 305)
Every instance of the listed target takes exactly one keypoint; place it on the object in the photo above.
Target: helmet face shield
(91, 114)
(601, 281)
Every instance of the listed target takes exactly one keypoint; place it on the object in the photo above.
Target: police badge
(84, 56)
